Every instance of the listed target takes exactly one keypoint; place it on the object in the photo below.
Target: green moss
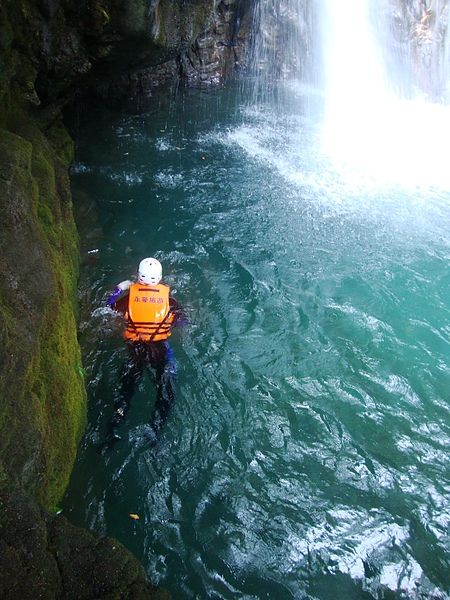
(42, 393)
(56, 383)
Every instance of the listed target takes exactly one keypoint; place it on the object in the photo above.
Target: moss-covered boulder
(43, 399)
(44, 556)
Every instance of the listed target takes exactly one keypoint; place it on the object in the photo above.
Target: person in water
(150, 314)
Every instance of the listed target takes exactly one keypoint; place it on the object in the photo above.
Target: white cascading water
(366, 126)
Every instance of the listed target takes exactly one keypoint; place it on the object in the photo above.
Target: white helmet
(149, 271)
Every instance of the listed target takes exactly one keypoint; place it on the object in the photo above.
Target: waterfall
(381, 113)
(352, 74)
(376, 71)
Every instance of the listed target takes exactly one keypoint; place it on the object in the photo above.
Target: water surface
(307, 456)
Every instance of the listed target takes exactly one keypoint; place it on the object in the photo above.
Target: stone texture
(44, 556)
(419, 28)
(218, 52)
(41, 387)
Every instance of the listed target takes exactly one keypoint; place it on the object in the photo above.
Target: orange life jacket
(148, 316)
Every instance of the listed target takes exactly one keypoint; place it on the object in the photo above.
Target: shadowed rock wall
(44, 556)
(218, 52)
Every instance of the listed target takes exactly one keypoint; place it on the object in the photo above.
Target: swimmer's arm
(122, 287)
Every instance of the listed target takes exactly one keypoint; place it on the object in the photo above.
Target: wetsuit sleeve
(120, 289)
(180, 318)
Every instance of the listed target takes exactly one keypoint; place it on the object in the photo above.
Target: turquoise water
(307, 456)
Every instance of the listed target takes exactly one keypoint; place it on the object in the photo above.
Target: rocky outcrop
(218, 52)
(44, 556)
(419, 31)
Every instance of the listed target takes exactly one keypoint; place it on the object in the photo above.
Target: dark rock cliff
(49, 49)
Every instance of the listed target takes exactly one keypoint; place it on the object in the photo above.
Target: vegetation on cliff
(41, 384)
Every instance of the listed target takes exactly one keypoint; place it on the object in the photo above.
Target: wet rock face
(220, 50)
(420, 29)
(50, 46)
(44, 556)
(139, 33)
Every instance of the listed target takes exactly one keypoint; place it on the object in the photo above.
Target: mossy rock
(43, 556)
(42, 392)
